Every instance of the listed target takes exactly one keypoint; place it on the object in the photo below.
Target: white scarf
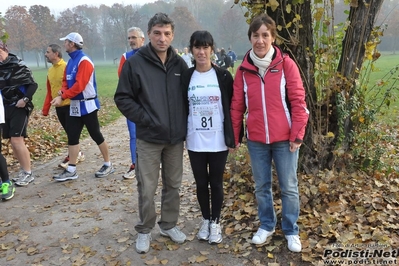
(262, 63)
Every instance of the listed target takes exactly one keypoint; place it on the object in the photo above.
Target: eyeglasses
(132, 38)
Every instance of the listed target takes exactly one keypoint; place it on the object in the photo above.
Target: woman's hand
(294, 146)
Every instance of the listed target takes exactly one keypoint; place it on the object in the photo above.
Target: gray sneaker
(24, 179)
(175, 234)
(143, 243)
(20, 174)
(105, 170)
(215, 235)
(64, 176)
(203, 233)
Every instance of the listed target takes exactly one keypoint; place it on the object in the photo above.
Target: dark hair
(160, 19)
(258, 21)
(201, 38)
(56, 49)
(3, 46)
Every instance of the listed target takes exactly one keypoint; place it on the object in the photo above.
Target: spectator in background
(188, 57)
(208, 143)
(17, 87)
(55, 75)
(135, 37)
(79, 85)
(268, 88)
(149, 94)
(233, 58)
(218, 55)
(224, 60)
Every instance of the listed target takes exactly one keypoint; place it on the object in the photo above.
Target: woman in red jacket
(269, 87)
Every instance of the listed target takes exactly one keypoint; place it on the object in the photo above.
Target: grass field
(107, 79)
(106, 76)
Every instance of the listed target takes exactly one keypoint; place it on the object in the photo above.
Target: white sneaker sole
(173, 239)
(65, 179)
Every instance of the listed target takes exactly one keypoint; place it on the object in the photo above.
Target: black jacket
(16, 80)
(149, 94)
(225, 81)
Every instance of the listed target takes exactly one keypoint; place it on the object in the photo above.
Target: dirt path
(90, 221)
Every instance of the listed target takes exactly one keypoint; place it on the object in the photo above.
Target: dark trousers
(208, 169)
(3, 163)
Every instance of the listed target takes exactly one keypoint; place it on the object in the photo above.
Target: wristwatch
(25, 99)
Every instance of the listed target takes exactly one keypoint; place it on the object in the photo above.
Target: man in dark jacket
(149, 94)
(17, 88)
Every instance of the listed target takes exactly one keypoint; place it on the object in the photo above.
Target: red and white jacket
(275, 103)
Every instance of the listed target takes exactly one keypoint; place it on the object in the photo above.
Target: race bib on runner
(74, 109)
(206, 117)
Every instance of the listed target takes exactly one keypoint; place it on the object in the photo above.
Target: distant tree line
(104, 27)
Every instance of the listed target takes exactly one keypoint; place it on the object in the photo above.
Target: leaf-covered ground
(338, 210)
(90, 221)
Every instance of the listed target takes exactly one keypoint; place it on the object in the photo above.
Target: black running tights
(208, 169)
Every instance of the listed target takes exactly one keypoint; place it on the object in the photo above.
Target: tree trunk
(362, 18)
(298, 43)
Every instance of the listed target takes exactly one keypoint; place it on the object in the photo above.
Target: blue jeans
(132, 134)
(286, 163)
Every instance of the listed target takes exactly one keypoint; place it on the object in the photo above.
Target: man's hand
(56, 101)
(20, 104)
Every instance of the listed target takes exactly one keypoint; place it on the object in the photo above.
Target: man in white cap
(79, 85)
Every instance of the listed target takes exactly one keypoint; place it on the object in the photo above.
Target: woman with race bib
(209, 130)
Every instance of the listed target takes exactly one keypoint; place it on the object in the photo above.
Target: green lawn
(106, 76)
(107, 79)
(381, 80)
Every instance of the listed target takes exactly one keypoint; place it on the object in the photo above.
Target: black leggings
(199, 164)
(62, 114)
(75, 126)
(3, 163)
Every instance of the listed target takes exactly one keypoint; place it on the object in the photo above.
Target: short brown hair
(258, 21)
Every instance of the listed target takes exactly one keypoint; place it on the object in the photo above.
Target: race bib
(74, 109)
(206, 117)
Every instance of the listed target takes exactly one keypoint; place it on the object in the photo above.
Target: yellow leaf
(330, 135)
(229, 231)
(270, 255)
(123, 239)
(288, 8)
(201, 258)
(273, 4)
(32, 251)
(154, 261)
(319, 14)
